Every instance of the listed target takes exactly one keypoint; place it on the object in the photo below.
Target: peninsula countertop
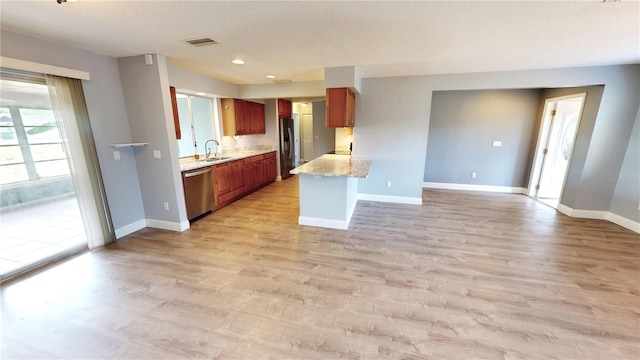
(336, 165)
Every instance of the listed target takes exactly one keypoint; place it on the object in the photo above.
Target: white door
(307, 137)
(561, 118)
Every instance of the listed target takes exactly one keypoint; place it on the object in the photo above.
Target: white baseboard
(471, 187)
(279, 178)
(624, 222)
(565, 209)
(326, 223)
(600, 215)
(168, 225)
(391, 199)
(131, 228)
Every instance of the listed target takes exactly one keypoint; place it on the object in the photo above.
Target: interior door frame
(543, 133)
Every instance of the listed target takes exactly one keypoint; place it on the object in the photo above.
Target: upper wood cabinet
(285, 109)
(176, 117)
(240, 117)
(341, 107)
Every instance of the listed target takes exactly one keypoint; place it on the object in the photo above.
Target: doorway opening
(559, 127)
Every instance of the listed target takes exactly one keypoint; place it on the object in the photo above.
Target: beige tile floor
(32, 234)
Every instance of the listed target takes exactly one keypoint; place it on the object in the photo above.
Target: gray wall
(464, 125)
(393, 115)
(107, 112)
(146, 90)
(324, 138)
(187, 80)
(627, 193)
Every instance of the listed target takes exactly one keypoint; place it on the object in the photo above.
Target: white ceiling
(296, 40)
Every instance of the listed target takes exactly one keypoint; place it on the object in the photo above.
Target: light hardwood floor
(465, 276)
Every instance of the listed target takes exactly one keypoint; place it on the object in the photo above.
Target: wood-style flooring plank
(464, 276)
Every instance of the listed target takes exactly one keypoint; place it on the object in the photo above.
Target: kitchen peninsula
(329, 189)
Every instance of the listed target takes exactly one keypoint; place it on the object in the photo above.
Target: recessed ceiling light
(238, 61)
(271, 76)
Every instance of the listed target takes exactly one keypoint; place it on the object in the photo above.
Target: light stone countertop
(336, 165)
(189, 163)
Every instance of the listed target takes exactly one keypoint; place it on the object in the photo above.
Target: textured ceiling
(297, 39)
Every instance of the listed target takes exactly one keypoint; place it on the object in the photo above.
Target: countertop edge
(197, 164)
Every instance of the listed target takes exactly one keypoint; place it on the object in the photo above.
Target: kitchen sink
(217, 158)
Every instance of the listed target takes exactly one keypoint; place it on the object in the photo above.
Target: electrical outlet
(474, 175)
(638, 206)
(116, 155)
(157, 154)
(388, 183)
(166, 206)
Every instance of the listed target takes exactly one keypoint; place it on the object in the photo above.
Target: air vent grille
(201, 42)
(282, 81)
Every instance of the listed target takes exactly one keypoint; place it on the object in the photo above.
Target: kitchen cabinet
(176, 117)
(228, 182)
(253, 172)
(270, 171)
(240, 117)
(341, 110)
(235, 179)
(285, 109)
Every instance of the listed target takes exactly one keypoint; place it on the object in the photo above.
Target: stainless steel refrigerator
(287, 147)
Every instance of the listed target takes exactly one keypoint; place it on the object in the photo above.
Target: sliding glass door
(41, 217)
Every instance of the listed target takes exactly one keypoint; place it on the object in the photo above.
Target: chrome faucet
(206, 146)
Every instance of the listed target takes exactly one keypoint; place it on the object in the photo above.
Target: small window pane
(41, 152)
(37, 117)
(43, 134)
(10, 155)
(52, 168)
(13, 173)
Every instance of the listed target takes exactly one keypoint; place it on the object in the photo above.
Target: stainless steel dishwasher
(198, 191)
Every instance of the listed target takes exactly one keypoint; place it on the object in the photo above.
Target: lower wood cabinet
(235, 179)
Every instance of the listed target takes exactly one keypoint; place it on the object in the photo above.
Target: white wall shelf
(128, 144)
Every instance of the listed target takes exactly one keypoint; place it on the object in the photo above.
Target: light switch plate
(497, 143)
(116, 155)
(157, 154)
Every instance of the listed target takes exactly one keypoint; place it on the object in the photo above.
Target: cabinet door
(176, 117)
(259, 171)
(351, 108)
(270, 169)
(258, 114)
(242, 127)
(220, 175)
(236, 175)
(249, 176)
(336, 107)
(284, 108)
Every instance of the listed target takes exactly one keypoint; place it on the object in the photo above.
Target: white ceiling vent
(201, 42)
(282, 81)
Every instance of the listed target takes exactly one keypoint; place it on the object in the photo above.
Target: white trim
(590, 214)
(325, 223)
(279, 178)
(564, 209)
(472, 187)
(43, 68)
(168, 225)
(391, 199)
(600, 215)
(624, 222)
(130, 228)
